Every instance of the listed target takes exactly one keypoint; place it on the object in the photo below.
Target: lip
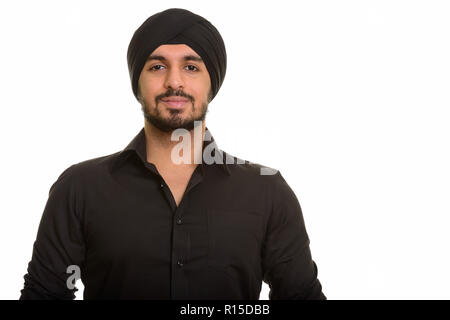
(175, 102)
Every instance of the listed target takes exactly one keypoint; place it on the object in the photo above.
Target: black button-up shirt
(115, 218)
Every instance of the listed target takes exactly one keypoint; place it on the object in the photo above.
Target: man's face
(174, 72)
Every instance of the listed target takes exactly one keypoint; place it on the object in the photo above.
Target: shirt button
(179, 221)
(180, 264)
(162, 185)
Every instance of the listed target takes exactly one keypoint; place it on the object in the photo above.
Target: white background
(348, 99)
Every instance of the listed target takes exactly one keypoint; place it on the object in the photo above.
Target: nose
(174, 79)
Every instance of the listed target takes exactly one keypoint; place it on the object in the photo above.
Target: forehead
(174, 51)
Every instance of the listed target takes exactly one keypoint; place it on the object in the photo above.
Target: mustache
(173, 93)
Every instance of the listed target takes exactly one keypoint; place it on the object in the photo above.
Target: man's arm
(288, 267)
(59, 244)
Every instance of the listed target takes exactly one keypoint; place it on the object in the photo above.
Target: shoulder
(247, 170)
(246, 167)
(267, 177)
(93, 168)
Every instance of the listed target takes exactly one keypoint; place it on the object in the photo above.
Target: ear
(138, 93)
(210, 94)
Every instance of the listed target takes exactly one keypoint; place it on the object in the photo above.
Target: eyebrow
(188, 57)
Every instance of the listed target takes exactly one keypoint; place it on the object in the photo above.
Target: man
(142, 224)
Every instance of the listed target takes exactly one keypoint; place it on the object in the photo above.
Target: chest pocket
(235, 236)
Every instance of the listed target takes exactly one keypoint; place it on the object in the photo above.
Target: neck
(160, 145)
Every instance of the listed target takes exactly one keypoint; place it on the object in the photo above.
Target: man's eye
(196, 69)
(153, 68)
(158, 67)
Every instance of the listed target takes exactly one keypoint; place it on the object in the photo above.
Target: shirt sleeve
(59, 244)
(288, 267)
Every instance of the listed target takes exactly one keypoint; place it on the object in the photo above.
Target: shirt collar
(138, 145)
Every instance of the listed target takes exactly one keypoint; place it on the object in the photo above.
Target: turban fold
(178, 26)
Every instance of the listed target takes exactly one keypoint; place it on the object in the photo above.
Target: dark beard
(174, 121)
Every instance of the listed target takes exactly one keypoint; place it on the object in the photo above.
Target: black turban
(178, 26)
